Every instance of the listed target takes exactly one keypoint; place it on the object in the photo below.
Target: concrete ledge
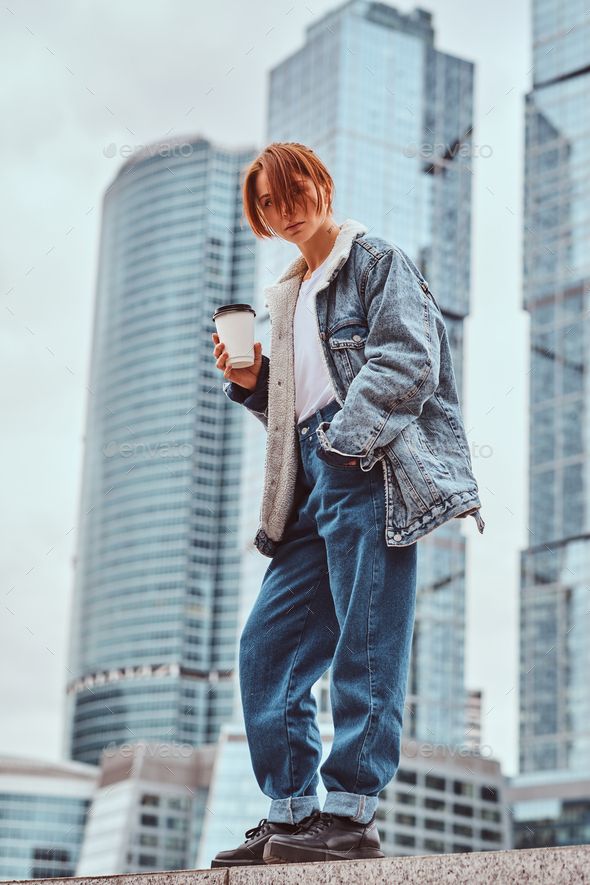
(554, 866)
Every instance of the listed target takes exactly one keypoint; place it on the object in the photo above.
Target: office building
(157, 569)
(555, 567)
(551, 793)
(43, 811)
(147, 810)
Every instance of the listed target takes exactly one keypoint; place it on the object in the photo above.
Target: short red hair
(283, 162)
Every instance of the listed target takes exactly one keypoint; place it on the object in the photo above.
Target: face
(306, 210)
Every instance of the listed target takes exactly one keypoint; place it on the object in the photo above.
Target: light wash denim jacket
(387, 352)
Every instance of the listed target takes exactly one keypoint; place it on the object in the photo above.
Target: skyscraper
(154, 625)
(391, 116)
(555, 567)
(551, 794)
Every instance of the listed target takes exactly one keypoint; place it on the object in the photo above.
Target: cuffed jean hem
(354, 805)
(293, 809)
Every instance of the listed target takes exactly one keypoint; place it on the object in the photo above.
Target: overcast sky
(85, 76)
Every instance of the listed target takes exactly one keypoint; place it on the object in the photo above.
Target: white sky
(82, 77)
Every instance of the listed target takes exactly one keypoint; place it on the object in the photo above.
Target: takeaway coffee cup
(235, 327)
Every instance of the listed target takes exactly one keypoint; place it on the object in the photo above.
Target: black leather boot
(325, 836)
(250, 851)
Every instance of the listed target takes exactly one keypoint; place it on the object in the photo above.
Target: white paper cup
(235, 327)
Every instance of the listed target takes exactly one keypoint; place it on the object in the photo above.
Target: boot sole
(250, 861)
(236, 863)
(279, 852)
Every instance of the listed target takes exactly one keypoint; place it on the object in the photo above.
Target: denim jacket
(387, 352)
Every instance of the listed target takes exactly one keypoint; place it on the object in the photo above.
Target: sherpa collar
(336, 258)
(282, 443)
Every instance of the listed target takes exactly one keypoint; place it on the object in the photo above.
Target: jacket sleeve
(402, 354)
(256, 401)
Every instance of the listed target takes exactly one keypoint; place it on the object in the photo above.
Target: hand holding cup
(246, 377)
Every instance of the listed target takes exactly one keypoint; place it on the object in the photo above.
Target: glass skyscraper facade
(555, 567)
(392, 118)
(156, 585)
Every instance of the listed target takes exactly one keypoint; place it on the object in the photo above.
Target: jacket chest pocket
(347, 346)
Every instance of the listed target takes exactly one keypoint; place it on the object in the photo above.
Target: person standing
(335, 594)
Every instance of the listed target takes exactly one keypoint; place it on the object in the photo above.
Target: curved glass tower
(154, 623)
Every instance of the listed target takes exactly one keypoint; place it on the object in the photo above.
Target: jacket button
(356, 337)
(397, 537)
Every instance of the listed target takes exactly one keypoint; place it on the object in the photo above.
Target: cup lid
(226, 307)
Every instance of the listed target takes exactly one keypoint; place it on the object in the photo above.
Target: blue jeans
(334, 595)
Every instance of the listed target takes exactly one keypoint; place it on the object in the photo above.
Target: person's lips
(294, 225)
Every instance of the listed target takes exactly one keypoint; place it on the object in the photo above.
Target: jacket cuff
(256, 399)
(366, 461)
(327, 445)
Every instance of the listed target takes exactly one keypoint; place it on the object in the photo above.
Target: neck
(318, 247)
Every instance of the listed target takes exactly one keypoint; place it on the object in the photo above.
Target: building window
(461, 788)
(148, 839)
(490, 835)
(462, 830)
(434, 782)
(406, 798)
(178, 802)
(147, 860)
(404, 839)
(406, 777)
(434, 845)
(465, 810)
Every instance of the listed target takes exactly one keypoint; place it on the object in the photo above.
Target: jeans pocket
(334, 459)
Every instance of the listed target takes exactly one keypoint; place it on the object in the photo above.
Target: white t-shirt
(313, 386)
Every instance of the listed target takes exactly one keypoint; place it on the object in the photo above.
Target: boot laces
(260, 827)
(315, 823)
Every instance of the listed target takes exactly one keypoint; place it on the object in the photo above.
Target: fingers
(220, 352)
